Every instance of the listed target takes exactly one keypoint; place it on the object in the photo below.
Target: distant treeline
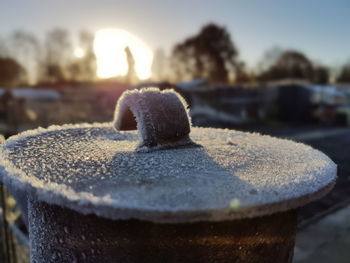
(24, 59)
(211, 54)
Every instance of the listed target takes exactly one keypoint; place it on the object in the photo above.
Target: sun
(109, 48)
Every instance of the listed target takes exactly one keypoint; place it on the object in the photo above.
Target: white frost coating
(94, 169)
(159, 115)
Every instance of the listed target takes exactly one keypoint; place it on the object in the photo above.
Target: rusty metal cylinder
(62, 235)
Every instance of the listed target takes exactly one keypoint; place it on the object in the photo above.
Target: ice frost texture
(159, 116)
(94, 169)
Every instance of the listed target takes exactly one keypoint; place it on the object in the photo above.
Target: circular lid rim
(110, 210)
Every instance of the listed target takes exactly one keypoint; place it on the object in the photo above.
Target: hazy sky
(321, 28)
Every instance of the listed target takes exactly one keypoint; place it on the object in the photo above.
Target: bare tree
(269, 58)
(58, 55)
(159, 65)
(89, 59)
(25, 48)
(241, 74)
(84, 68)
(4, 52)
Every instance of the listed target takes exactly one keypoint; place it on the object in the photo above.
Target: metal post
(59, 234)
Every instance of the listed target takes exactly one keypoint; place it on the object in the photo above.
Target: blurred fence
(14, 236)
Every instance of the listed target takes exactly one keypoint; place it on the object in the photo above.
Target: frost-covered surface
(94, 169)
(159, 116)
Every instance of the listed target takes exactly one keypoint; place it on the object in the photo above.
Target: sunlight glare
(109, 48)
(79, 52)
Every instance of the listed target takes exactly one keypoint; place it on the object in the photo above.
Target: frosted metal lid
(92, 168)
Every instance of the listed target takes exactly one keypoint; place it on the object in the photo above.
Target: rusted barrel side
(62, 235)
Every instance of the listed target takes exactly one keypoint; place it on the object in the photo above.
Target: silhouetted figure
(131, 75)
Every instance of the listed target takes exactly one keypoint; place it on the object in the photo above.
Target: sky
(320, 28)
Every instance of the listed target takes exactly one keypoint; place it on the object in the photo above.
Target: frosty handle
(160, 117)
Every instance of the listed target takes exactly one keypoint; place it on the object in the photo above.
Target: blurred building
(289, 102)
(231, 105)
(28, 107)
